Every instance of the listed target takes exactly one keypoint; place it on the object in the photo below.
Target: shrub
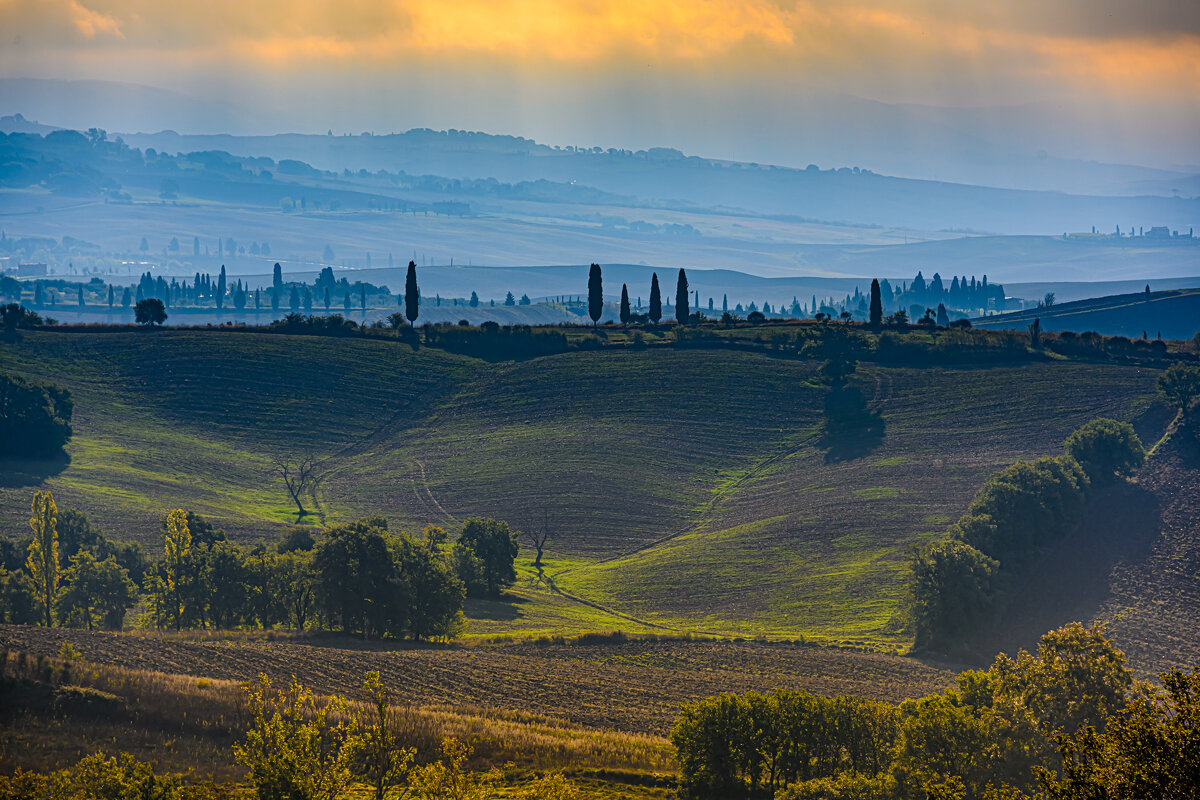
(35, 419)
(952, 590)
(295, 748)
(1106, 449)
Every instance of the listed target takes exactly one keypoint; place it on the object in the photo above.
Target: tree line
(359, 578)
(1068, 721)
(958, 585)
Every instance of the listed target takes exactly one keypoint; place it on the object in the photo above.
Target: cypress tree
(221, 288)
(110, 296)
(681, 299)
(277, 281)
(412, 304)
(943, 319)
(595, 294)
(328, 299)
(624, 304)
(655, 299)
(876, 304)
(362, 296)
(724, 303)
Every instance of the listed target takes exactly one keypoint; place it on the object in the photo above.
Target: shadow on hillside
(18, 473)
(505, 608)
(851, 430)
(1071, 581)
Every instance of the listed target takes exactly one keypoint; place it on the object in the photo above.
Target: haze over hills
(551, 206)
(1017, 146)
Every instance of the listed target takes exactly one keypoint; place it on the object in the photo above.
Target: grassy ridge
(690, 489)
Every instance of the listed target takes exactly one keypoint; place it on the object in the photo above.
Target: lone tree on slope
(412, 297)
(595, 294)
(655, 299)
(299, 476)
(682, 312)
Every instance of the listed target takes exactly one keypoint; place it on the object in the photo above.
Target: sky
(767, 80)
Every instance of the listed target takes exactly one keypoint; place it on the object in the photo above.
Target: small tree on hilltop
(876, 311)
(150, 311)
(682, 312)
(655, 299)
(595, 294)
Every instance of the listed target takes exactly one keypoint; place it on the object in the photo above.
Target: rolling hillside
(1170, 315)
(688, 488)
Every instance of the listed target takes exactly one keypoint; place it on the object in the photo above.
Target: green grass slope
(688, 489)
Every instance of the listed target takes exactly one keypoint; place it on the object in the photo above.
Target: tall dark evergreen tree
(362, 297)
(876, 304)
(277, 282)
(682, 312)
(220, 295)
(595, 294)
(655, 299)
(412, 299)
(624, 304)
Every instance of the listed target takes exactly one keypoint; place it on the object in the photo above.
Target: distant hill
(666, 175)
(1172, 314)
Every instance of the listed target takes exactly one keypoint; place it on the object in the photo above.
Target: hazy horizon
(917, 89)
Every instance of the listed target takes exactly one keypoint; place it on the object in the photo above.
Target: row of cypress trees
(596, 298)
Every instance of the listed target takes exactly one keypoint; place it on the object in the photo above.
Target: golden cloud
(918, 40)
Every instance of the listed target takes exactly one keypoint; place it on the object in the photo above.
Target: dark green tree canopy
(412, 297)
(495, 547)
(655, 299)
(876, 310)
(595, 294)
(682, 312)
(150, 311)
(35, 419)
(1180, 385)
(625, 313)
(1106, 449)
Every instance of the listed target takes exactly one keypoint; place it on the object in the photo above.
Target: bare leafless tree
(539, 535)
(299, 476)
